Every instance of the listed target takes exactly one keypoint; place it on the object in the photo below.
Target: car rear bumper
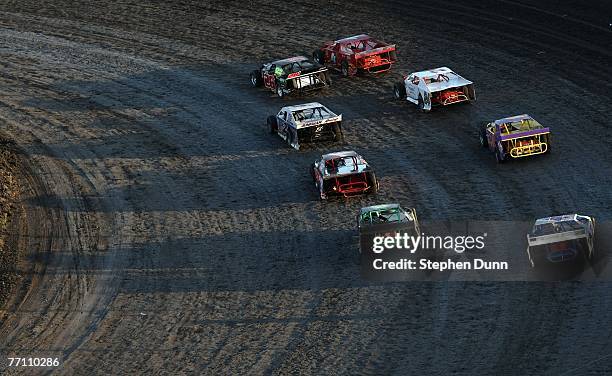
(529, 149)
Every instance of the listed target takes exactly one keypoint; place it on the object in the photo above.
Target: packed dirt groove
(168, 231)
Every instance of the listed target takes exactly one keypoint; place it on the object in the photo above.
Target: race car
(343, 173)
(515, 137)
(309, 122)
(561, 238)
(435, 87)
(386, 219)
(359, 53)
(295, 74)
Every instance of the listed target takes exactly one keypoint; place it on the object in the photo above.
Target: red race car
(343, 173)
(359, 53)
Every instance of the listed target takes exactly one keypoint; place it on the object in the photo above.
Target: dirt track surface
(9, 196)
(167, 231)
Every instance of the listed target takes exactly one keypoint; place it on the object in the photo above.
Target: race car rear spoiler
(556, 238)
(307, 80)
(376, 51)
(530, 133)
(313, 123)
(454, 84)
(307, 73)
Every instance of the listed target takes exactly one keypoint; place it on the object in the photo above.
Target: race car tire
(289, 137)
(279, 91)
(312, 173)
(399, 90)
(256, 79)
(328, 79)
(319, 56)
(272, 124)
(338, 133)
(591, 256)
(344, 68)
(482, 136)
(375, 186)
(393, 56)
(421, 104)
(372, 181)
(498, 157)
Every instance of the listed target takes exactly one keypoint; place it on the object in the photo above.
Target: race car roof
(391, 213)
(513, 119)
(290, 60)
(353, 38)
(339, 154)
(454, 80)
(433, 72)
(368, 209)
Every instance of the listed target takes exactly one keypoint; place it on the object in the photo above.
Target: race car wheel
(421, 104)
(590, 255)
(531, 260)
(344, 68)
(498, 156)
(272, 124)
(279, 91)
(482, 136)
(256, 79)
(328, 80)
(338, 133)
(592, 241)
(289, 137)
(376, 186)
(393, 56)
(319, 56)
(399, 90)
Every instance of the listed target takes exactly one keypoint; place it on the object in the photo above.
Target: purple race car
(515, 137)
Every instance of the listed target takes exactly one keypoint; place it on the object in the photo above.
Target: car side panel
(269, 80)
(491, 138)
(412, 90)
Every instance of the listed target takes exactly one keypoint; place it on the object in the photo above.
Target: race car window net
(440, 78)
(317, 113)
(348, 164)
(361, 45)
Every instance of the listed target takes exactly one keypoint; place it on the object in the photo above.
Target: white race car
(561, 238)
(309, 122)
(435, 87)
